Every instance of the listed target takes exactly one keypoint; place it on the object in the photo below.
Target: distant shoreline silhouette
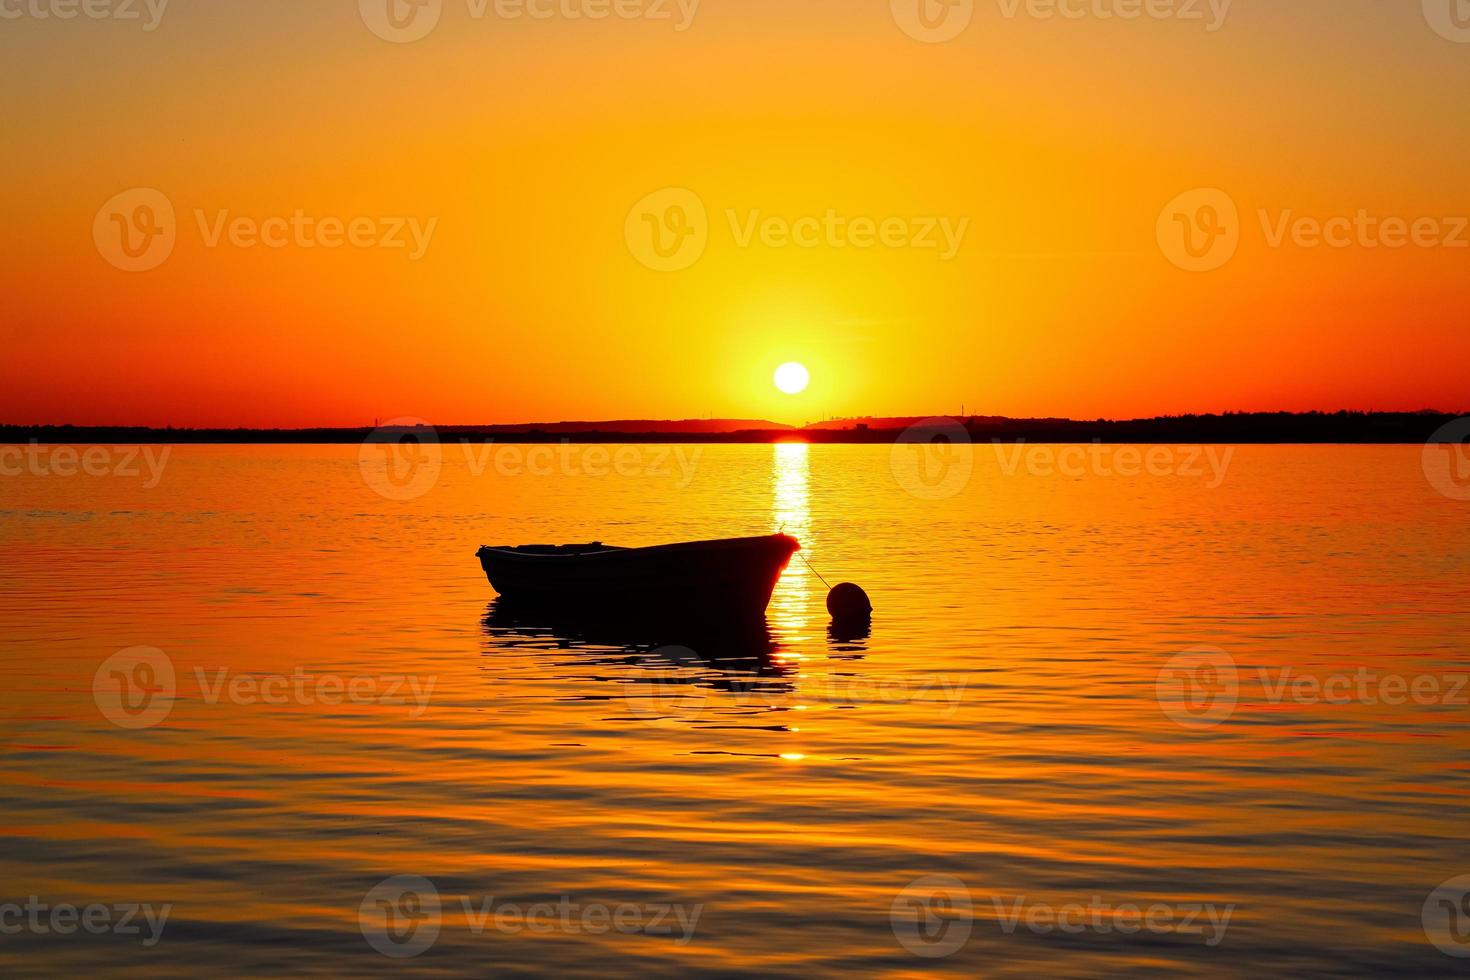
(1243, 427)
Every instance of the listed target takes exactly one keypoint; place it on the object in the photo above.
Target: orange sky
(522, 144)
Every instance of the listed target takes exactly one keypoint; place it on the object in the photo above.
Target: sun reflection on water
(791, 510)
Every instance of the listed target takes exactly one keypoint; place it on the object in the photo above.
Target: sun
(793, 378)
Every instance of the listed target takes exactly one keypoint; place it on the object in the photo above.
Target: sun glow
(793, 378)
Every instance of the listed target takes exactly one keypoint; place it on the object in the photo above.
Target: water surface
(1003, 725)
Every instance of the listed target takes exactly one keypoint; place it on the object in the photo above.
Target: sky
(278, 213)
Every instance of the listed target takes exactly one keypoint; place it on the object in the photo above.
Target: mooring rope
(814, 571)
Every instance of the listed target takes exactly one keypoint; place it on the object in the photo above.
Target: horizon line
(409, 422)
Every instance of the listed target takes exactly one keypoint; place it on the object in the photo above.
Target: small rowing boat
(732, 577)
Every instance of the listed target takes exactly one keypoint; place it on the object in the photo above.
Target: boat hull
(733, 577)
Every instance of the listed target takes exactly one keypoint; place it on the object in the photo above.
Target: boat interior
(557, 549)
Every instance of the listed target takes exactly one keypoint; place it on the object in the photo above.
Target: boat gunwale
(717, 544)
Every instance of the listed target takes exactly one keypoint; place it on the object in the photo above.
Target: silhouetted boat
(730, 578)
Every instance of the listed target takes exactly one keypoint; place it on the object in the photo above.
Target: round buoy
(847, 602)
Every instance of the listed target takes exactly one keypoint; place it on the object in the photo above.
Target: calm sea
(1200, 712)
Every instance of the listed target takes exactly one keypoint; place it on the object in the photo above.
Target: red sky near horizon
(499, 164)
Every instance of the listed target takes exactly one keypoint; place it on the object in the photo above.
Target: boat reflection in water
(666, 666)
(744, 646)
